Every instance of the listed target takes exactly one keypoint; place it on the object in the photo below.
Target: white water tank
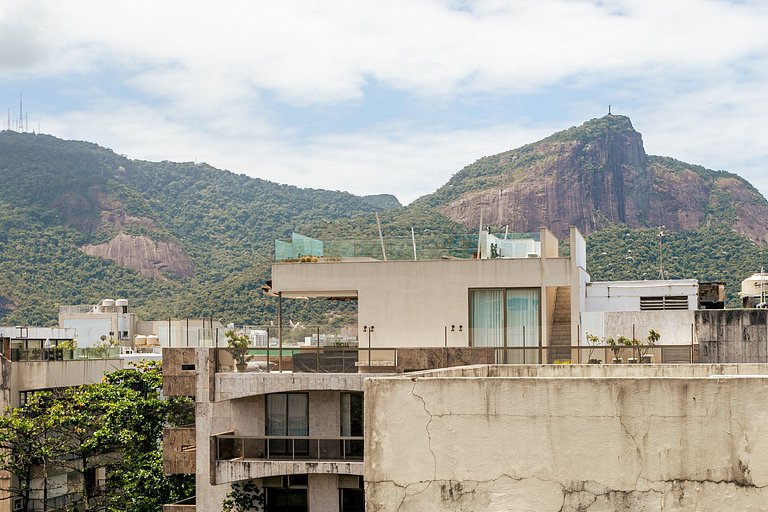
(121, 302)
(141, 340)
(108, 303)
(153, 340)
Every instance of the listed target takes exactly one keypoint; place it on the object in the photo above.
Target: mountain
(594, 176)
(79, 223)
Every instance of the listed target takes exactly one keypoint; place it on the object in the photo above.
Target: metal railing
(230, 447)
(665, 354)
(59, 354)
(304, 359)
(267, 336)
(362, 359)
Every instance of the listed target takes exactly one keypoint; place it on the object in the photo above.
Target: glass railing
(428, 245)
(229, 447)
(267, 336)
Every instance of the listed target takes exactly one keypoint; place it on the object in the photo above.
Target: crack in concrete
(581, 497)
(426, 427)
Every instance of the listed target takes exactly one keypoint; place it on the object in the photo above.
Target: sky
(387, 96)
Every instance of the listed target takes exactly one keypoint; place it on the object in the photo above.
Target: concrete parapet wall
(732, 335)
(494, 442)
(424, 358)
(230, 386)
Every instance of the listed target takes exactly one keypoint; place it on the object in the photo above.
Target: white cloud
(325, 51)
(196, 75)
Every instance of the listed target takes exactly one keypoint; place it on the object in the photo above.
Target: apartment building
(290, 419)
(33, 359)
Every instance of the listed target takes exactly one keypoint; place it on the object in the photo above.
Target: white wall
(675, 327)
(89, 330)
(625, 295)
(410, 302)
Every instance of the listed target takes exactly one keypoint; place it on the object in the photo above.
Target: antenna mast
(21, 114)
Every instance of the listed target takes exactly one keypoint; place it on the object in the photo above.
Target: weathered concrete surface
(177, 381)
(566, 444)
(230, 386)
(179, 450)
(228, 471)
(733, 335)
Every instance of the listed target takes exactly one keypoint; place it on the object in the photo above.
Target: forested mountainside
(182, 239)
(593, 176)
(79, 222)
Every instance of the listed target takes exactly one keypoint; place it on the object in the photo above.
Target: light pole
(369, 330)
(661, 255)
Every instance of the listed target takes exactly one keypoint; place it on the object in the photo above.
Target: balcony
(21, 353)
(241, 458)
(304, 448)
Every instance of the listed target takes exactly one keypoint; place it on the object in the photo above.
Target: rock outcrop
(595, 175)
(149, 257)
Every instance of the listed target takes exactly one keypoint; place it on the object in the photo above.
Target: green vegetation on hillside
(716, 253)
(61, 195)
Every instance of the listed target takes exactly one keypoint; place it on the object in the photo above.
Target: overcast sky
(387, 96)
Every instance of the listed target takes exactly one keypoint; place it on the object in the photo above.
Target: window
(507, 318)
(286, 493)
(288, 416)
(352, 423)
(351, 494)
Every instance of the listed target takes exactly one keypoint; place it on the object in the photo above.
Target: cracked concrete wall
(566, 444)
(733, 336)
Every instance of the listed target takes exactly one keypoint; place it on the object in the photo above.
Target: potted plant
(617, 345)
(593, 341)
(66, 348)
(653, 337)
(238, 342)
(623, 341)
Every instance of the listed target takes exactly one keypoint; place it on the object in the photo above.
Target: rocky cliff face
(149, 257)
(595, 175)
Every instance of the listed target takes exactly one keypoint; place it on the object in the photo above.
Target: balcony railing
(58, 354)
(347, 449)
(267, 336)
(301, 359)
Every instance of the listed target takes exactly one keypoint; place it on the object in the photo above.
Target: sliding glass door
(507, 318)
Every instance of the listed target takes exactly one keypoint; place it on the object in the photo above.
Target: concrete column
(323, 493)
(324, 414)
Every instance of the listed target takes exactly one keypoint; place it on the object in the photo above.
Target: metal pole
(280, 331)
(370, 328)
(381, 237)
(187, 331)
(445, 350)
(413, 239)
(169, 332)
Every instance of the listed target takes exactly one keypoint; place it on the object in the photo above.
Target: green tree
(116, 425)
(26, 444)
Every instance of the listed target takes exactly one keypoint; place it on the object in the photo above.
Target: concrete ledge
(235, 470)
(230, 386)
